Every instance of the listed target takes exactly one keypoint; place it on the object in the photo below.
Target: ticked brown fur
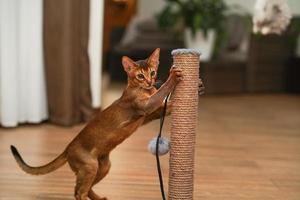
(88, 153)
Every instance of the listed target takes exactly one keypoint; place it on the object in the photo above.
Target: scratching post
(183, 127)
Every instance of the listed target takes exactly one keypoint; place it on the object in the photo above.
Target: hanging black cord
(162, 119)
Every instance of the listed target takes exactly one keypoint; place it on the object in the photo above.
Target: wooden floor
(248, 148)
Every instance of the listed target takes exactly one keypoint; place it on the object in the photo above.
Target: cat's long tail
(53, 165)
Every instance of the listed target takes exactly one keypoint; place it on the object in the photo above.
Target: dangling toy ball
(163, 146)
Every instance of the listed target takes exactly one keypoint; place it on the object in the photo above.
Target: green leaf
(195, 14)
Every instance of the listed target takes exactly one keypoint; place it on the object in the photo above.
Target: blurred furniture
(243, 63)
(224, 76)
(226, 72)
(117, 13)
(267, 65)
(293, 73)
(269, 57)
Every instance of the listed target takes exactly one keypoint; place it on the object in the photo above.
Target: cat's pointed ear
(127, 63)
(154, 58)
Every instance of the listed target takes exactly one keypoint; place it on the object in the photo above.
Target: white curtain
(22, 80)
(95, 49)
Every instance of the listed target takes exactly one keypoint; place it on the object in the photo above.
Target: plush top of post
(185, 51)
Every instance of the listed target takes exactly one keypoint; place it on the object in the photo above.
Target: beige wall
(147, 8)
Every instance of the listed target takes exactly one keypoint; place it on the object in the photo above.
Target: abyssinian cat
(88, 153)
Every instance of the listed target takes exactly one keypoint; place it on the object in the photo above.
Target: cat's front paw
(176, 74)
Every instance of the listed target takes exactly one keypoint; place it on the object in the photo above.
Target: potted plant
(201, 20)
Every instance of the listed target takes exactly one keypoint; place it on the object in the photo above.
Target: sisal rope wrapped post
(183, 125)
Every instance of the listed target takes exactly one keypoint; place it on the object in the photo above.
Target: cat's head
(142, 73)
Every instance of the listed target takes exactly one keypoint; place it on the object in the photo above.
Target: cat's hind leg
(84, 180)
(85, 167)
(103, 169)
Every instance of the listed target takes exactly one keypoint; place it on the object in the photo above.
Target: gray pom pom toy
(163, 146)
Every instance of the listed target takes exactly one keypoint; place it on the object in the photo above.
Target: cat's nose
(149, 82)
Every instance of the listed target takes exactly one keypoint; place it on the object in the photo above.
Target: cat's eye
(140, 76)
(153, 73)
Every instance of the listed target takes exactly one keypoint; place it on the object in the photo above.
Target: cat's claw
(201, 87)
